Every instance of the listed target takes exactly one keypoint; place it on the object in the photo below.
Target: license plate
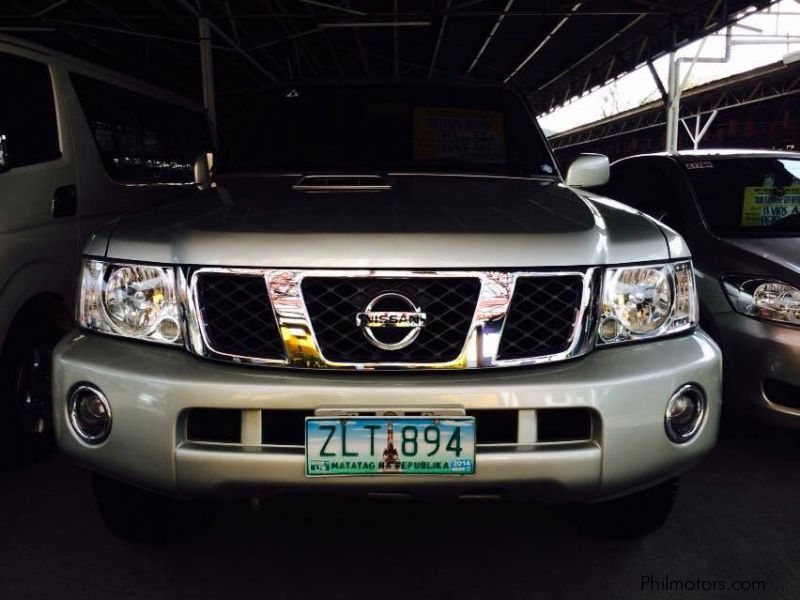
(390, 446)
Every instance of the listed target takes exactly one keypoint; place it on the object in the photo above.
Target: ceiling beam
(39, 14)
(489, 37)
(133, 33)
(437, 46)
(231, 42)
(344, 9)
(542, 44)
(684, 28)
(592, 52)
(290, 27)
(331, 50)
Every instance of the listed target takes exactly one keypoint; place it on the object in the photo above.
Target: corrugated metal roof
(554, 50)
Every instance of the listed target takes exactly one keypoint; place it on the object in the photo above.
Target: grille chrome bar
(481, 347)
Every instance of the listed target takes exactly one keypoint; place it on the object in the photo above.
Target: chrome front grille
(333, 304)
(311, 319)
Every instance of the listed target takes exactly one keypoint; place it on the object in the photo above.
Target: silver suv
(387, 289)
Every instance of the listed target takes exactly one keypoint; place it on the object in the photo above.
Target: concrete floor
(736, 519)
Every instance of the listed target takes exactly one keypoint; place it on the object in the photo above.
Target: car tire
(136, 515)
(26, 423)
(632, 516)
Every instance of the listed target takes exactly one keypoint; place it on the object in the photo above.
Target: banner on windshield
(766, 204)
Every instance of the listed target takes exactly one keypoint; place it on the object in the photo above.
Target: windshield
(748, 195)
(388, 127)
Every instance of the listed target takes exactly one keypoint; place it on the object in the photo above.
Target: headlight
(642, 302)
(763, 298)
(136, 301)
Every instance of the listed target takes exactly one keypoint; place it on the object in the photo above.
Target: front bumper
(150, 387)
(757, 353)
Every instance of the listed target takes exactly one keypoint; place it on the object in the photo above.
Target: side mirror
(5, 163)
(589, 170)
(203, 165)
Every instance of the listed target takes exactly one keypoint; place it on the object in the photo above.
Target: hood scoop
(341, 183)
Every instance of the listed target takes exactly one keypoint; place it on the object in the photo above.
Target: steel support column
(699, 133)
(676, 85)
(673, 104)
(207, 67)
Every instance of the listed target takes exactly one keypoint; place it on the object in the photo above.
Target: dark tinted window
(28, 129)
(383, 127)
(141, 139)
(647, 187)
(748, 195)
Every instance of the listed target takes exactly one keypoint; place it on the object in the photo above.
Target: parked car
(738, 211)
(387, 289)
(78, 145)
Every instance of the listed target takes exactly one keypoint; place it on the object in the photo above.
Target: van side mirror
(589, 170)
(5, 162)
(203, 165)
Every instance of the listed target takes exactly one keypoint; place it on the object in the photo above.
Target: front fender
(30, 280)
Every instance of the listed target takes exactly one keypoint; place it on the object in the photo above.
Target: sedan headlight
(137, 301)
(646, 301)
(763, 298)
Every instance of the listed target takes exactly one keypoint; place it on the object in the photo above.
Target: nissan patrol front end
(387, 289)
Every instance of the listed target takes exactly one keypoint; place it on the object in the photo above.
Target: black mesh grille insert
(333, 304)
(238, 316)
(541, 318)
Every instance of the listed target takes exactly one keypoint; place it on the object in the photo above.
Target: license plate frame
(342, 446)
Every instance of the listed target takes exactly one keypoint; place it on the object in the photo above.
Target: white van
(79, 145)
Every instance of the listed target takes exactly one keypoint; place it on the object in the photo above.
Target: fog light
(685, 412)
(89, 414)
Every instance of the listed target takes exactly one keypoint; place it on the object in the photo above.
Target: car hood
(422, 222)
(768, 256)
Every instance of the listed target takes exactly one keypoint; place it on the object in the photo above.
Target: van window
(28, 128)
(141, 139)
